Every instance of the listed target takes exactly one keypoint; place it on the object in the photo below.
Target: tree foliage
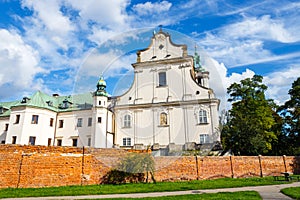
(249, 129)
(291, 112)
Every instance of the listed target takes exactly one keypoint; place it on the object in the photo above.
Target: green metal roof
(54, 103)
(6, 108)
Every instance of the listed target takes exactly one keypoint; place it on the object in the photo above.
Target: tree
(250, 124)
(133, 168)
(291, 112)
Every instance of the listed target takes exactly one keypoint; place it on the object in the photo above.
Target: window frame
(203, 138)
(126, 141)
(14, 139)
(61, 123)
(162, 79)
(6, 127)
(74, 142)
(202, 117)
(79, 122)
(51, 122)
(32, 140)
(127, 121)
(90, 121)
(89, 141)
(18, 117)
(35, 119)
(59, 142)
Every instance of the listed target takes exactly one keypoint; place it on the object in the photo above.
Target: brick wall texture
(40, 166)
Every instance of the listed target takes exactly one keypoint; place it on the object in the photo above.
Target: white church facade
(169, 105)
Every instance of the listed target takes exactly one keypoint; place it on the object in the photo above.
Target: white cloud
(279, 83)
(19, 64)
(261, 28)
(150, 8)
(49, 15)
(110, 14)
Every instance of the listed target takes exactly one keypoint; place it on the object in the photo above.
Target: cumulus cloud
(111, 14)
(19, 63)
(279, 83)
(48, 14)
(260, 28)
(150, 8)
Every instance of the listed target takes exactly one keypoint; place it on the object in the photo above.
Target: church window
(162, 79)
(204, 138)
(89, 142)
(202, 117)
(127, 121)
(163, 119)
(6, 127)
(99, 119)
(127, 141)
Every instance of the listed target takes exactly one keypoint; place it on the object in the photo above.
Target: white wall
(3, 122)
(25, 128)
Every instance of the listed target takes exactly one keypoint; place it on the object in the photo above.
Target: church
(168, 106)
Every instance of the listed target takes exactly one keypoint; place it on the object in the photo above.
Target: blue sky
(62, 47)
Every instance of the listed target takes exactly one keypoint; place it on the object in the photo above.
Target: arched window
(163, 119)
(127, 121)
(202, 117)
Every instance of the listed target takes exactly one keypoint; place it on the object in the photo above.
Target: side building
(77, 120)
(169, 106)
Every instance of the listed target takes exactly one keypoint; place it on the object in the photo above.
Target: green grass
(137, 188)
(246, 195)
(293, 192)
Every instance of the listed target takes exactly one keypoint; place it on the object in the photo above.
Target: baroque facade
(169, 105)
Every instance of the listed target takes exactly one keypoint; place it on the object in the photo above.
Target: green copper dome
(101, 88)
(101, 82)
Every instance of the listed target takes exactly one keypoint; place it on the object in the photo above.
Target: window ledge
(163, 125)
(199, 124)
(126, 127)
(162, 86)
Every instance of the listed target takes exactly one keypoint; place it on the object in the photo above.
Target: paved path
(267, 192)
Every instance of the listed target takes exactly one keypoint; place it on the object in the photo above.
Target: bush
(134, 168)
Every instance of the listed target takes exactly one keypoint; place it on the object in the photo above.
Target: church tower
(202, 76)
(100, 115)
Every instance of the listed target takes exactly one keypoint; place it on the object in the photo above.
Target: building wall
(3, 132)
(41, 166)
(26, 128)
(70, 130)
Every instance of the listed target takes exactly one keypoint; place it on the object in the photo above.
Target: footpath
(267, 192)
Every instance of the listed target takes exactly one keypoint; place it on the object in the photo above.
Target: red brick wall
(40, 166)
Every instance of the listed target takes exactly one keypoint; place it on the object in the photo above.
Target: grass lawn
(293, 192)
(137, 188)
(246, 195)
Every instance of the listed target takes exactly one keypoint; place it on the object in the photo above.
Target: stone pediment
(161, 48)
